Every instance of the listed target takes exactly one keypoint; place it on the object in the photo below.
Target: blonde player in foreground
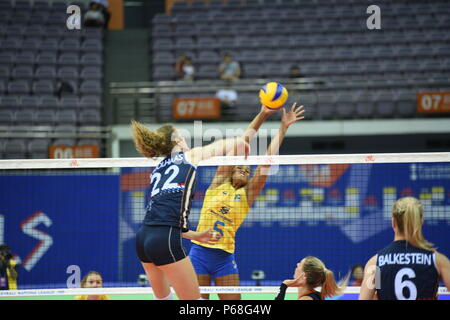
(226, 204)
(409, 268)
(310, 274)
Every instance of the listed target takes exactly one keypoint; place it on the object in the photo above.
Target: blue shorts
(214, 262)
(159, 245)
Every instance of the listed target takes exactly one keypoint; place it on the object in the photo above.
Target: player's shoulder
(372, 261)
(441, 259)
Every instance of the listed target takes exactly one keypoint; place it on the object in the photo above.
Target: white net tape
(148, 291)
(251, 160)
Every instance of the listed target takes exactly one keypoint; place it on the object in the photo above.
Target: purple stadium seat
(69, 45)
(90, 117)
(89, 102)
(44, 117)
(207, 72)
(66, 117)
(24, 117)
(39, 5)
(208, 56)
(326, 105)
(163, 44)
(185, 43)
(365, 106)
(18, 87)
(9, 102)
(43, 87)
(91, 59)
(68, 73)
(31, 102)
(22, 72)
(91, 46)
(163, 72)
(91, 73)
(49, 102)
(31, 44)
(385, 105)
(11, 44)
(38, 148)
(45, 73)
(406, 104)
(69, 103)
(7, 117)
(91, 87)
(69, 59)
(253, 70)
(14, 149)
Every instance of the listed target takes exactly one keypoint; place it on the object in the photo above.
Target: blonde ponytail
(150, 143)
(330, 288)
(318, 275)
(408, 215)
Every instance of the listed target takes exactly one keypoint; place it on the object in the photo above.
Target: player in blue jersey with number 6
(409, 268)
(172, 186)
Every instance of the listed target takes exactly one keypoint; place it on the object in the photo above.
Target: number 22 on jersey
(167, 178)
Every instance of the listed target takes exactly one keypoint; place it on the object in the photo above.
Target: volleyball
(273, 95)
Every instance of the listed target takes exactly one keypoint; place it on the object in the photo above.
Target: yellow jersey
(224, 209)
(12, 282)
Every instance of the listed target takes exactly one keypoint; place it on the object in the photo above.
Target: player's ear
(393, 223)
(303, 277)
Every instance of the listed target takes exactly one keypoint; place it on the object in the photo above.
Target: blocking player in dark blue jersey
(172, 186)
(409, 268)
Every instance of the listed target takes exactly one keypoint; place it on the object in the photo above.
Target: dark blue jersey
(405, 272)
(172, 186)
(313, 295)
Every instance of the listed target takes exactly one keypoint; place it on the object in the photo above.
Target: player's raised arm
(224, 172)
(256, 123)
(219, 148)
(256, 183)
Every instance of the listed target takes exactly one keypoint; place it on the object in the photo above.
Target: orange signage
(196, 108)
(68, 152)
(433, 102)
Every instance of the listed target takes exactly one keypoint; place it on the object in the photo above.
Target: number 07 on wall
(433, 102)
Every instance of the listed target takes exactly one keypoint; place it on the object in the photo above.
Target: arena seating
(36, 55)
(328, 40)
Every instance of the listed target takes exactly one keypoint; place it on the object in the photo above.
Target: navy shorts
(214, 262)
(159, 245)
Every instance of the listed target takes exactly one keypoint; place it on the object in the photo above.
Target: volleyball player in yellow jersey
(226, 205)
(92, 280)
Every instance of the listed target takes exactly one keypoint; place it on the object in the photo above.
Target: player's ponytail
(318, 275)
(408, 215)
(150, 143)
(330, 288)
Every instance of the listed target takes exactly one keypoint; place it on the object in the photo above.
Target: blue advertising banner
(52, 222)
(340, 213)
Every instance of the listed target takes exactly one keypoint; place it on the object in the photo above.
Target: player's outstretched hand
(268, 111)
(292, 116)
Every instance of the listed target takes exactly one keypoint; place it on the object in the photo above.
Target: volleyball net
(66, 217)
